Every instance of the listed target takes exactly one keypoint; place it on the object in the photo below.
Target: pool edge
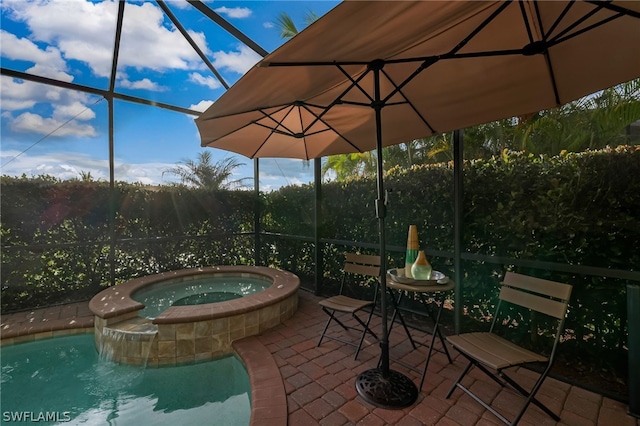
(268, 396)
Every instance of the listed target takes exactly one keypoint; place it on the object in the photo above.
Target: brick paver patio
(319, 383)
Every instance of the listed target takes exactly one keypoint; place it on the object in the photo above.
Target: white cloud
(148, 44)
(180, 4)
(51, 72)
(79, 29)
(210, 82)
(234, 12)
(239, 61)
(29, 122)
(75, 110)
(201, 106)
(85, 31)
(62, 165)
(70, 165)
(144, 84)
(15, 104)
(23, 49)
(268, 25)
(65, 104)
(146, 173)
(275, 173)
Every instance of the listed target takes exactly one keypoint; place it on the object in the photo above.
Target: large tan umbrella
(373, 74)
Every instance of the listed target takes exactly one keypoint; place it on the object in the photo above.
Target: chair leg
(530, 397)
(458, 384)
(332, 317)
(397, 314)
(464, 372)
(434, 333)
(365, 330)
(323, 332)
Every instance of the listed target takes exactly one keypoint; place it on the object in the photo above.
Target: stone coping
(268, 395)
(116, 300)
(46, 322)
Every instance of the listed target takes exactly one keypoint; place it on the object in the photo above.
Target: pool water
(158, 297)
(63, 380)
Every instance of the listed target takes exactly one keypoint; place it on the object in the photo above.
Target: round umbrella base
(392, 392)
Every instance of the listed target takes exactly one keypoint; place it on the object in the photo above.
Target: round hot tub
(191, 314)
(213, 288)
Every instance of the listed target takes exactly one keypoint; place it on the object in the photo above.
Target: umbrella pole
(382, 386)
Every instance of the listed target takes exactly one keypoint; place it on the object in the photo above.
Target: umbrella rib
(558, 39)
(354, 83)
(262, 143)
(306, 151)
(329, 126)
(216, 117)
(398, 90)
(615, 8)
(588, 15)
(337, 100)
(480, 27)
(557, 21)
(304, 132)
(546, 43)
(273, 130)
(527, 25)
(538, 16)
(565, 35)
(247, 125)
(429, 61)
(362, 104)
(278, 123)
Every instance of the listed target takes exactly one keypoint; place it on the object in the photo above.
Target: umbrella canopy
(432, 66)
(444, 66)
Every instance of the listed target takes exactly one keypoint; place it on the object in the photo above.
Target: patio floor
(319, 382)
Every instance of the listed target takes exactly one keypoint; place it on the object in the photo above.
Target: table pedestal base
(392, 392)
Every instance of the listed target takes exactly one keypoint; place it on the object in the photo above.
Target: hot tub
(181, 332)
(199, 290)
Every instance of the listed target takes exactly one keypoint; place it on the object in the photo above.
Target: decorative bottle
(421, 268)
(412, 250)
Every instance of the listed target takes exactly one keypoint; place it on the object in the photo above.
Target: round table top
(443, 284)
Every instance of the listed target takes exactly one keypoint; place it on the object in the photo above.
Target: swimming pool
(63, 380)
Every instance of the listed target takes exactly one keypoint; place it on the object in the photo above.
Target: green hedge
(57, 236)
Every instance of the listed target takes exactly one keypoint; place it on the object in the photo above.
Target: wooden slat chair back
(492, 353)
(358, 269)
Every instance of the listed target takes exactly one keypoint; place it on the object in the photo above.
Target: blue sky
(63, 133)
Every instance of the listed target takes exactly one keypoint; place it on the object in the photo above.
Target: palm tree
(350, 165)
(288, 28)
(591, 122)
(202, 173)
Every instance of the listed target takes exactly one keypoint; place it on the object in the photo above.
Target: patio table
(437, 291)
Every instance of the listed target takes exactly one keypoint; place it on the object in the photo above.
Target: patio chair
(358, 269)
(492, 353)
